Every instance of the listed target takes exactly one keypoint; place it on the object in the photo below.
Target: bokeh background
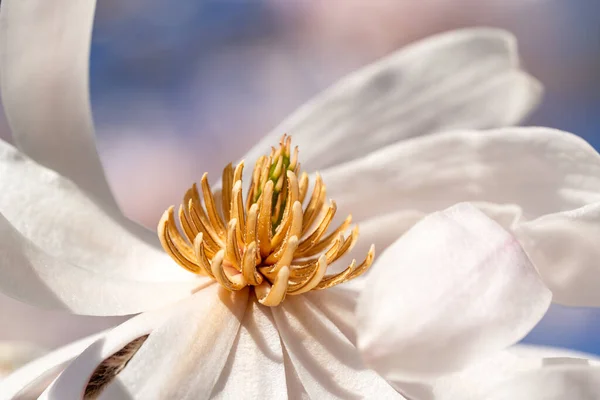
(182, 87)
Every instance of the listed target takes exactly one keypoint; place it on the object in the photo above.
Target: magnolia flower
(243, 318)
(468, 79)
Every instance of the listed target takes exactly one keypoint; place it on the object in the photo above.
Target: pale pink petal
(461, 79)
(537, 351)
(326, 361)
(552, 383)
(381, 231)
(455, 288)
(481, 379)
(564, 247)
(499, 166)
(44, 63)
(541, 183)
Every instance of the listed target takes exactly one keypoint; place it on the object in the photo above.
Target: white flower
(65, 245)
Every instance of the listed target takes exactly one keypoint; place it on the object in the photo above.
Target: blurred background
(179, 88)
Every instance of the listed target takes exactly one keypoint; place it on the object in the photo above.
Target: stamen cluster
(272, 242)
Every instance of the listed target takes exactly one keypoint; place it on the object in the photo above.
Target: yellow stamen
(267, 241)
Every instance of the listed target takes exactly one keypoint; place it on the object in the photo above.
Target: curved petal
(44, 53)
(455, 288)
(547, 352)
(481, 379)
(47, 328)
(337, 304)
(71, 383)
(183, 356)
(381, 231)
(461, 79)
(33, 276)
(499, 166)
(557, 383)
(59, 218)
(255, 368)
(325, 360)
(31, 380)
(564, 248)
(542, 183)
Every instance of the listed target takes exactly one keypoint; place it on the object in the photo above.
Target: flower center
(272, 242)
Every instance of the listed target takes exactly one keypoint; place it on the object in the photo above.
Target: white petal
(557, 223)
(74, 378)
(44, 66)
(461, 79)
(31, 380)
(337, 304)
(255, 368)
(56, 221)
(498, 166)
(183, 358)
(381, 231)
(29, 274)
(58, 217)
(536, 351)
(47, 328)
(556, 383)
(327, 363)
(454, 288)
(564, 247)
(296, 390)
(481, 378)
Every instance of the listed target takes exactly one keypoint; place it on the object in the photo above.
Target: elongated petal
(325, 360)
(382, 231)
(183, 356)
(23, 322)
(557, 383)
(455, 288)
(499, 166)
(547, 352)
(31, 275)
(31, 380)
(255, 368)
(460, 79)
(44, 53)
(337, 304)
(542, 183)
(74, 378)
(564, 248)
(496, 373)
(58, 217)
